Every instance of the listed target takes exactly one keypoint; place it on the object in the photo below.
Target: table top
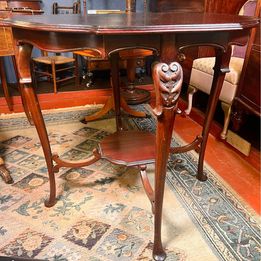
(134, 23)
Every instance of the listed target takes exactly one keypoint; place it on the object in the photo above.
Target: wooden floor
(240, 172)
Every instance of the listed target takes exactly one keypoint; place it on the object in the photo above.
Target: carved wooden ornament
(168, 82)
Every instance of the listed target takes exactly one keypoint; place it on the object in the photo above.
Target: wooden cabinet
(22, 6)
(247, 98)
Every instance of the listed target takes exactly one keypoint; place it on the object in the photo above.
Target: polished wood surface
(167, 35)
(123, 148)
(134, 23)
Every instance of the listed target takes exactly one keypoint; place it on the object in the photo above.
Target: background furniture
(191, 6)
(57, 68)
(202, 75)
(130, 94)
(247, 99)
(6, 39)
(74, 9)
(26, 7)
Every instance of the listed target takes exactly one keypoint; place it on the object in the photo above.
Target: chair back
(74, 9)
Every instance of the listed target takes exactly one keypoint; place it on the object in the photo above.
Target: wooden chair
(202, 75)
(75, 8)
(57, 68)
(130, 56)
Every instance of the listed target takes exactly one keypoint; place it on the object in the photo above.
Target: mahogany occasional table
(167, 34)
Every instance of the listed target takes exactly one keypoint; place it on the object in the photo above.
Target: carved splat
(169, 78)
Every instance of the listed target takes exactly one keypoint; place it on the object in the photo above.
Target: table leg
(23, 56)
(220, 69)
(27, 113)
(167, 81)
(115, 82)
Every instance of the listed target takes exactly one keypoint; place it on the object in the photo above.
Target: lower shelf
(130, 148)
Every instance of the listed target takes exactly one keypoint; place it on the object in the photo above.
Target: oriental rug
(102, 212)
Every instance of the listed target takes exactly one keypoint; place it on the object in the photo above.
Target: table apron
(107, 44)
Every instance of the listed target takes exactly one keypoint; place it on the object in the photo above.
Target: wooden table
(167, 34)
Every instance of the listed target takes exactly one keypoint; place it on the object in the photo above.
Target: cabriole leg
(167, 82)
(23, 55)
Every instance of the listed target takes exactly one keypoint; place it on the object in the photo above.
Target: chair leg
(227, 111)
(191, 91)
(76, 71)
(54, 77)
(89, 74)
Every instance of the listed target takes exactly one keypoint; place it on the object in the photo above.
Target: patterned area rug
(102, 211)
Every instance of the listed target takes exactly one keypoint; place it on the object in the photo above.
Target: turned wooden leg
(4, 85)
(227, 112)
(76, 71)
(115, 82)
(54, 76)
(167, 81)
(23, 55)
(131, 94)
(220, 69)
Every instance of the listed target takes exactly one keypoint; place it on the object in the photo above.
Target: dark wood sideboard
(247, 98)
